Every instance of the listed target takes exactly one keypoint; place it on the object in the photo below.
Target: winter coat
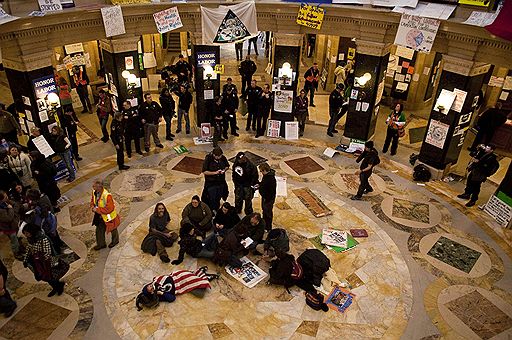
(279, 241)
(168, 105)
(268, 186)
(20, 165)
(244, 174)
(44, 172)
(202, 215)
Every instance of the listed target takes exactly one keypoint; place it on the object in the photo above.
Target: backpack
(48, 223)
(421, 173)
(315, 300)
(314, 264)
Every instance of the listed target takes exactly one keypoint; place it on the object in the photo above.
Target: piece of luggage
(421, 173)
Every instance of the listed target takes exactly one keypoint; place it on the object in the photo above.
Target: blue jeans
(103, 123)
(168, 120)
(210, 244)
(66, 158)
(182, 112)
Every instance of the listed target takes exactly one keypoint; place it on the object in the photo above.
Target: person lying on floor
(191, 245)
(167, 287)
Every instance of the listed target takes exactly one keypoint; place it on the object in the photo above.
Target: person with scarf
(81, 81)
(395, 122)
(19, 162)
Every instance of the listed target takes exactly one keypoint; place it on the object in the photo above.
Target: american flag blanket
(183, 281)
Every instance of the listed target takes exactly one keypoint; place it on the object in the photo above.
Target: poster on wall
(50, 5)
(283, 101)
(274, 128)
(227, 24)
(42, 87)
(460, 98)
(444, 101)
(436, 133)
(128, 63)
(74, 48)
(5, 17)
(113, 20)
(167, 20)
(383, 3)
(416, 32)
(310, 16)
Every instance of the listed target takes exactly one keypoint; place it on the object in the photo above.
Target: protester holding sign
(62, 147)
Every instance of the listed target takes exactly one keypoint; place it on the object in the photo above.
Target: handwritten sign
(5, 17)
(50, 5)
(113, 20)
(417, 32)
(310, 16)
(167, 20)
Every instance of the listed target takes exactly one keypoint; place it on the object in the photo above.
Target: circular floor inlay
(137, 182)
(455, 255)
(411, 213)
(348, 182)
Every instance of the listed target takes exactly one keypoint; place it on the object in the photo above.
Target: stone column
(31, 79)
(286, 49)
(116, 53)
(207, 83)
(447, 128)
(371, 60)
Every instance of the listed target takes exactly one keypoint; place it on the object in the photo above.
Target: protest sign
(310, 16)
(50, 5)
(113, 20)
(167, 20)
(416, 32)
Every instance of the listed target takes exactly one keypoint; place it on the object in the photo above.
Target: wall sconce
(208, 71)
(361, 81)
(53, 99)
(132, 79)
(125, 74)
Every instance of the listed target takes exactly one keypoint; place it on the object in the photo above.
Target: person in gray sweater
(199, 215)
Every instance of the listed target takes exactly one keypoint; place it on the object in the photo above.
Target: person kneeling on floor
(167, 287)
(277, 242)
(191, 245)
(159, 237)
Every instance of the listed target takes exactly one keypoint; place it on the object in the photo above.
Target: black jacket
(281, 271)
(244, 174)
(57, 143)
(247, 68)
(131, 120)
(481, 170)
(69, 122)
(151, 113)
(335, 101)
(230, 102)
(253, 96)
(268, 186)
(185, 100)
(265, 103)
(211, 164)
(8, 179)
(44, 172)
(168, 105)
(117, 132)
(367, 158)
(301, 105)
(254, 232)
(188, 245)
(228, 220)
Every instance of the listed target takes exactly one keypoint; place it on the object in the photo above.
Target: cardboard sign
(499, 208)
(74, 48)
(167, 20)
(274, 128)
(310, 16)
(206, 131)
(50, 5)
(5, 18)
(113, 20)
(283, 101)
(417, 32)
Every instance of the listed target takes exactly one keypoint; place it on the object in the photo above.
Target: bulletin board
(403, 75)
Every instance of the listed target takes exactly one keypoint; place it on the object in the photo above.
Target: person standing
(395, 121)
(183, 70)
(300, 111)
(218, 122)
(369, 158)
(245, 177)
(311, 82)
(7, 304)
(9, 222)
(117, 135)
(267, 189)
(239, 47)
(151, 115)
(487, 123)
(34, 133)
(483, 164)
(229, 84)
(62, 147)
(103, 110)
(9, 127)
(230, 106)
(69, 122)
(19, 162)
(44, 173)
(106, 219)
(336, 109)
(65, 95)
(253, 95)
(253, 41)
(81, 81)
(246, 69)
(184, 102)
(42, 260)
(168, 110)
(215, 166)
(132, 128)
(264, 106)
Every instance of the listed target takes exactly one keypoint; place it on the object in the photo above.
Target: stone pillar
(207, 82)
(371, 59)
(286, 49)
(31, 79)
(116, 55)
(446, 130)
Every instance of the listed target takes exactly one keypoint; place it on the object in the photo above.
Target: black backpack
(421, 173)
(314, 264)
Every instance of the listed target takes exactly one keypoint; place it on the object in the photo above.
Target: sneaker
(160, 146)
(124, 167)
(140, 152)
(165, 258)
(470, 204)
(464, 196)
(368, 190)
(60, 289)
(313, 105)
(356, 198)
(52, 293)
(96, 247)
(257, 136)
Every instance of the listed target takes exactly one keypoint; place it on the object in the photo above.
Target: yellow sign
(480, 3)
(219, 68)
(351, 53)
(126, 2)
(310, 16)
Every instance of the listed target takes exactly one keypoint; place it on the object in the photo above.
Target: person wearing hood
(267, 189)
(245, 178)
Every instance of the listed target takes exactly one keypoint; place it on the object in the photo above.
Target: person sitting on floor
(166, 287)
(159, 237)
(225, 219)
(190, 245)
(230, 249)
(277, 241)
(199, 215)
(256, 229)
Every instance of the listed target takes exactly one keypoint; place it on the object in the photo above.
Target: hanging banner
(382, 3)
(310, 16)
(227, 24)
(416, 32)
(501, 25)
(113, 21)
(167, 20)
(74, 48)
(50, 5)
(5, 17)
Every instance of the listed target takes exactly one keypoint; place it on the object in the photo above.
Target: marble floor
(430, 268)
